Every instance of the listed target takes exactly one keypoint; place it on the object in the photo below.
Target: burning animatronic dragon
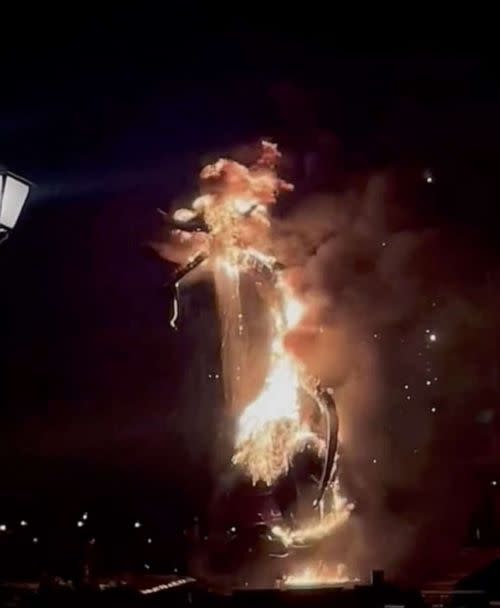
(228, 231)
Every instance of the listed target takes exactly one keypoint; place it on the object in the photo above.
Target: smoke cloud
(392, 326)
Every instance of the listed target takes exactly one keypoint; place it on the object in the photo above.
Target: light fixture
(14, 191)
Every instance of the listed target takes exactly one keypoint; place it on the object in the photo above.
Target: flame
(269, 432)
(318, 574)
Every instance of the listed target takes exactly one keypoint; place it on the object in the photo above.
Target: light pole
(14, 191)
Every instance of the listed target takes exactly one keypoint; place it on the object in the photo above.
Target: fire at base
(227, 231)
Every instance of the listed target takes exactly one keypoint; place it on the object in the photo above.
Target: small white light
(23, 523)
(375, 336)
(232, 529)
(428, 382)
(80, 523)
(150, 540)
(35, 539)
(374, 461)
(3, 528)
(85, 516)
(406, 387)
(137, 524)
(427, 331)
(408, 397)
(429, 178)
(384, 244)
(433, 410)
(435, 379)
(494, 482)
(433, 337)
(176, 570)
(146, 566)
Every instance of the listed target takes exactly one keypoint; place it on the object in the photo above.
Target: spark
(35, 540)
(85, 516)
(137, 524)
(80, 523)
(406, 387)
(3, 528)
(23, 523)
(433, 410)
(374, 461)
(433, 337)
(494, 482)
(428, 382)
(149, 541)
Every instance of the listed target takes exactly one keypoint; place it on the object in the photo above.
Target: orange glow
(318, 574)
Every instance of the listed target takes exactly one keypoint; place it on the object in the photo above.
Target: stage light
(14, 191)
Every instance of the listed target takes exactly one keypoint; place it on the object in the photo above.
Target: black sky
(110, 117)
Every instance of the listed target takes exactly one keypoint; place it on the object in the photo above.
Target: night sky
(112, 118)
